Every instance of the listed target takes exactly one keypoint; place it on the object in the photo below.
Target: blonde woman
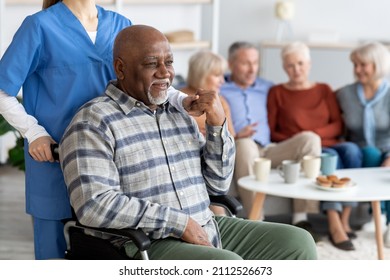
(206, 71)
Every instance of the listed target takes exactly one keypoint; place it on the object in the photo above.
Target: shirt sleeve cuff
(35, 132)
(214, 132)
(177, 223)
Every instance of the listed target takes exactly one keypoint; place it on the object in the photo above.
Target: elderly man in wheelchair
(134, 162)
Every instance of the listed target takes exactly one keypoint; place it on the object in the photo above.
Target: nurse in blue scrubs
(61, 57)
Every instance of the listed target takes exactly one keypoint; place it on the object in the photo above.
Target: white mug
(311, 166)
(261, 169)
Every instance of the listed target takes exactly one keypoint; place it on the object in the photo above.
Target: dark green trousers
(241, 239)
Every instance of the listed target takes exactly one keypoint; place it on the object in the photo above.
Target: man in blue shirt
(132, 160)
(247, 94)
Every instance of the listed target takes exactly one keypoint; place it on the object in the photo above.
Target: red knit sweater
(293, 111)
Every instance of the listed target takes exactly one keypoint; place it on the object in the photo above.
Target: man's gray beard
(162, 97)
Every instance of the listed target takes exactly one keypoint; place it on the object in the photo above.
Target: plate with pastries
(334, 184)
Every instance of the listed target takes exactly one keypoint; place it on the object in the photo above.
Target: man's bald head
(135, 38)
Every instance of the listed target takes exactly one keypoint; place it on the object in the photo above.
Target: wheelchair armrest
(140, 239)
(227, 201)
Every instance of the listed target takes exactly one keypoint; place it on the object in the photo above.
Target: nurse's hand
(40, 150)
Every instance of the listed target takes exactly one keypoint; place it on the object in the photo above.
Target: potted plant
(15, 154)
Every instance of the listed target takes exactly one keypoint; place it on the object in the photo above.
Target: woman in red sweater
(302, 105)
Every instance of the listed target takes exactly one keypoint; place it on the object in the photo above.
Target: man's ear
(119, 68)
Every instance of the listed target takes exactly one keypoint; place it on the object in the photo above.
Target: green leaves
(16, 154)
(5, 126)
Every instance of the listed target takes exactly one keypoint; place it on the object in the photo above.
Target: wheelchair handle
(54, 151)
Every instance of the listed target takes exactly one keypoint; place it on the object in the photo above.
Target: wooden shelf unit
(119, 4)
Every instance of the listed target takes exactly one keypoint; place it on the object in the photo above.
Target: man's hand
(247, 131)
(210, 103)
(195, 234)
(39, 149)
(191, 106)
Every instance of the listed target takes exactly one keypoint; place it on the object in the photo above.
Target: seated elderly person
(299, 105)
(131, 160)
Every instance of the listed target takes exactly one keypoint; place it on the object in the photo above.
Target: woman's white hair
(376, 53)
(296, 47)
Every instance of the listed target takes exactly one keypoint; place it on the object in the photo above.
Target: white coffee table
(372, 184)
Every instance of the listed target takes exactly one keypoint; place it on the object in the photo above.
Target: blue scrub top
(52, 57)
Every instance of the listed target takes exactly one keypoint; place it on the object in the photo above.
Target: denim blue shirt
(249, 106)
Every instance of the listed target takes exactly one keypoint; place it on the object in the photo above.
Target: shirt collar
(228, 79)
(125, 101)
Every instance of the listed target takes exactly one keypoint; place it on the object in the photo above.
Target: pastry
(346, 180)
(338, 184)
(332, 178)
(323, 181)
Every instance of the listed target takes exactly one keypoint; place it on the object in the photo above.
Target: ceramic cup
(289, 170)
(328, 164)
(261, 169)
(311, 166)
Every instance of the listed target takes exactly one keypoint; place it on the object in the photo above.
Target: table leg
(257, 206)
(376, 210)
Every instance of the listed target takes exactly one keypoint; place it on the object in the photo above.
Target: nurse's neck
(85, 11)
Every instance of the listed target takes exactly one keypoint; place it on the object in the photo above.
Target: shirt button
(173, 168)
(181, 193)
(138, 104)
(215, 134)
(224, 156)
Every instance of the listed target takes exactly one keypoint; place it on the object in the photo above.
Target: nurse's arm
(15, 114)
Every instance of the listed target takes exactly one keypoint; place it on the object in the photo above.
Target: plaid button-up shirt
(129, 167)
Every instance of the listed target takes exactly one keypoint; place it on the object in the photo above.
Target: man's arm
(219, 151)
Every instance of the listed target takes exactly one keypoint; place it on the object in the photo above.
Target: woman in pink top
(302, 105)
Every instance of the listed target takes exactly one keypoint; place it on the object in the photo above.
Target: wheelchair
(81, 245)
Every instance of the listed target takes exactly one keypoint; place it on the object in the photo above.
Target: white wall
(177, 17)
(251, 20)
(347, 20)
(254, 21)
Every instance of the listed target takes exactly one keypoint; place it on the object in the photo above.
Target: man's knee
(302, 244)
(310, 143)
(246, 147)
(246, 151)
(298, 243)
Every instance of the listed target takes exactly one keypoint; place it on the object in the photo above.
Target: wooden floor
(16, 234)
